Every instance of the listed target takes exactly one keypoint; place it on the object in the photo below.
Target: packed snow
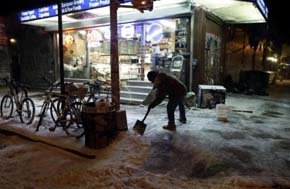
(251, 150)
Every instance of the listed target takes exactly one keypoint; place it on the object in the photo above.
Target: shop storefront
(183, 37)
(150, 40)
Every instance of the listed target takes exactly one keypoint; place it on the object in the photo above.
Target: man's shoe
(170, 127)
(182, 121)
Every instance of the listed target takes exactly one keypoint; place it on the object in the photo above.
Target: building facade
(186, 38)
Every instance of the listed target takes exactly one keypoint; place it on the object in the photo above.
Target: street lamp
(142, 5)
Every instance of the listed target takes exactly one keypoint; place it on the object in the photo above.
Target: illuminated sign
(67, 7)
(127, 31)
(262, 6)
(154, 33)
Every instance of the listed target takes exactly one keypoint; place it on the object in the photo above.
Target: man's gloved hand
(151, 106)
(156, 102)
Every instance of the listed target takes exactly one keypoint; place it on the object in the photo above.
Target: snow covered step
(135, 91)
(141, 89)
(138, 83)
(134, 95)
(131, 101)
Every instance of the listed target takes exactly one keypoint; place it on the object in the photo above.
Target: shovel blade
(139, 127)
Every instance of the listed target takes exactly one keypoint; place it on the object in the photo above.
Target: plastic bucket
(222, 112)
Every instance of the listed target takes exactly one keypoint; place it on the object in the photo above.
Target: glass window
(75, 64)
(142, 46)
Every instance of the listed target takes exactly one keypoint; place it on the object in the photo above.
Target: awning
(86, 13)
(233, 11)
(101, 15)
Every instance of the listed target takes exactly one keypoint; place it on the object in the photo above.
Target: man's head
(152, 75)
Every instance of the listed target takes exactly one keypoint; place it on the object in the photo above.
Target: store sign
(127, 31)
(154, 33)
(67, 7)
(262, 6)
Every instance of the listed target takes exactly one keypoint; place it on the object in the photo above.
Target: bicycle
(18, 95)
(94, 88)
(65, 110)
(46, 105)
(66, 113)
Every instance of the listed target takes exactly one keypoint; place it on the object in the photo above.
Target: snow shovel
(140, 126)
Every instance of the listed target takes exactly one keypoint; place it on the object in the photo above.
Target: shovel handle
(148, 110)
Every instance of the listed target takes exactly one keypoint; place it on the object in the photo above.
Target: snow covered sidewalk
(251, 150)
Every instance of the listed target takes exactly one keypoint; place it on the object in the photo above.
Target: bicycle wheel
(75, 128)
(7, 106)
(60, 113)
(77, 106)
(27, 111)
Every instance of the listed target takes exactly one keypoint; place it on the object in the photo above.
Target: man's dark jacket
(166, 84)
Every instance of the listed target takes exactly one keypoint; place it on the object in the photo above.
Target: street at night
(153, 94)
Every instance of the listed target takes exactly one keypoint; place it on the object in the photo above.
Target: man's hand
(156, 102)
(151, 106)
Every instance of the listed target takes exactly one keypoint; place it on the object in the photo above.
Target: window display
(142, 46)
(75, 65)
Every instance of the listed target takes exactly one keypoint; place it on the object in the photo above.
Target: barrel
(99, 125)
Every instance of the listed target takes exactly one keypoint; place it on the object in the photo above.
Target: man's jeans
(171, 107)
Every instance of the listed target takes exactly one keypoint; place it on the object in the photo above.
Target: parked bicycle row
(64, 109)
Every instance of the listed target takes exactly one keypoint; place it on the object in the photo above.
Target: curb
(7, 127)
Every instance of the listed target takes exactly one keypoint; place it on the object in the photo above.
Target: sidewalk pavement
(59, 139)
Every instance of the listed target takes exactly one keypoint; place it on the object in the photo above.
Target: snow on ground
(251, 150)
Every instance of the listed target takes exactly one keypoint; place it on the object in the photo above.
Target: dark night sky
(279, 19)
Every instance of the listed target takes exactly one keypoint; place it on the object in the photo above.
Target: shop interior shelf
(120, 55)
